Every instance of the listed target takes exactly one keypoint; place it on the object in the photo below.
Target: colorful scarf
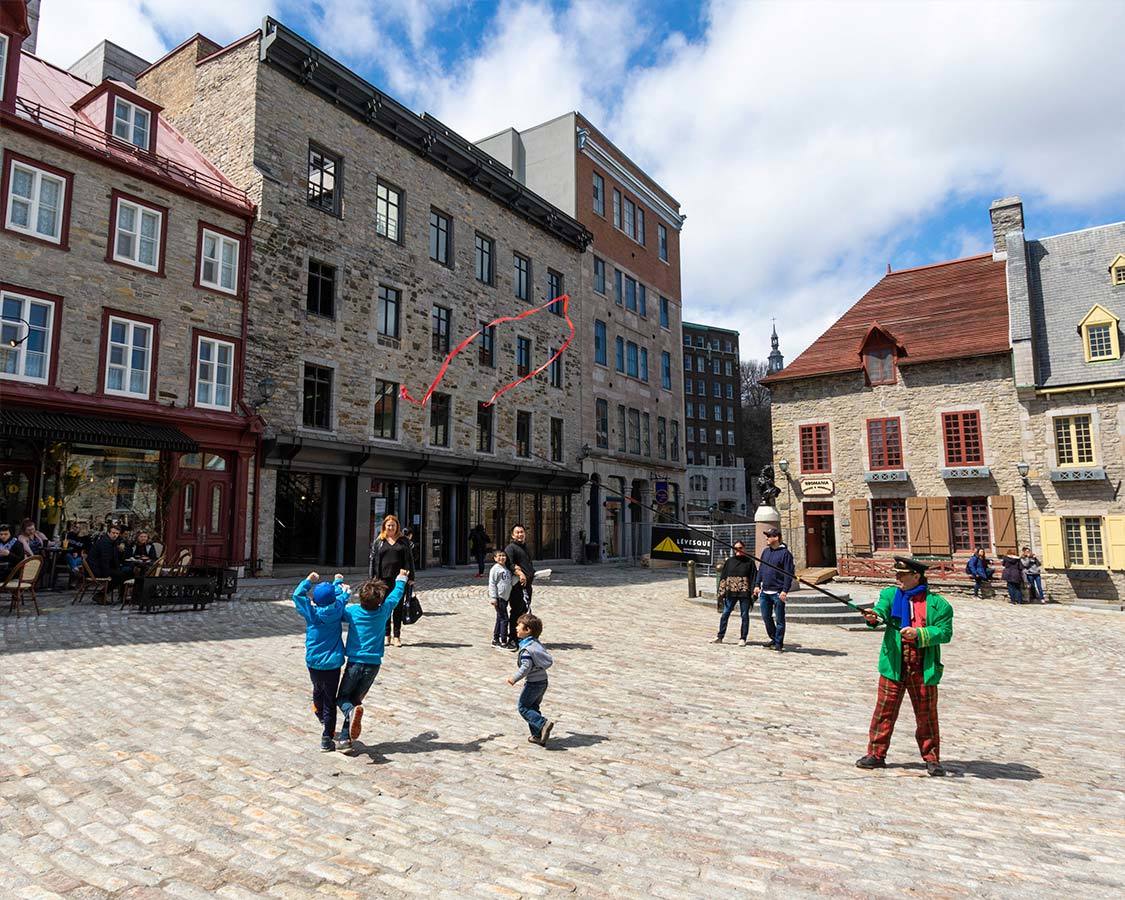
(900, 607)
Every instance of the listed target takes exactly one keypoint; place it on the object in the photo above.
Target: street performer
(918, 621)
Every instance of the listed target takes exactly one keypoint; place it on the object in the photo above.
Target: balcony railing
(113, 147)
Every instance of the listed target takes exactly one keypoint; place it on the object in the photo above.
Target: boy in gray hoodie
(533, 660)
(499, 589)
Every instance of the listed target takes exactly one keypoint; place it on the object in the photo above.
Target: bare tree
(755, 395)
(757, 426)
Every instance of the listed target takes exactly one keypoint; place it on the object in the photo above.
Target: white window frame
(220, 241)
(133, 112)
(216, 344)
(37, 177)
(22, 328)
(140, 211)
(131, 326)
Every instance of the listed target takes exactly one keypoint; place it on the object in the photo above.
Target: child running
(534, 660)
(367, 629)
(499, 589)
(322, 608)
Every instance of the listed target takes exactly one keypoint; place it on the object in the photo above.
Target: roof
(949, 310)
(46, 95)
(38, 425)
(699, 327)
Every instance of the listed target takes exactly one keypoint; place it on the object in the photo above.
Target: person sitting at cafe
(11, 551)
(141, 553)
(76, 544)
(34, 541)
(107, 556)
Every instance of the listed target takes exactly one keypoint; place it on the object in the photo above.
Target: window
(1100, 331)
(556, 368)
(688, 386)
(644, 365)
(484, 428)
(889, 520)
(523, 434)
(664, 313)
(37, 202)
(1082, 541)
(629, 216)
(1099, 341)
(1074, 445)
(320, 298)
(719, 436)
(701, 411)
(727, 369)
(439, 339)
(137, 234)
(730, 438)
(600, 343)
(388, 211)
(675, 440)
(487, 345)
(484, 252)
(318, 397)
(599, 275)
(618, 288)
(616, 208)
(687, 340)
(879, 363)
(662, 235)
(700, 364)
(131, 123)
(815, 452)
(701, 387)
(635, 431)
(28, 323)
(601, 423)
(1118, 272)
(386, 311)
(621, 428)
(441, 234)
(646, 434)
(521, 276)
(630, 294)
(555, 289)
(128, 358)
(642, 300)
(631, 360)
(523, 356)
(324, 185)
(730, 413)
(599, 194)
(661, 437)
(963, 445)
(691, 434)
(699, 341)
(439, 420)
(386, 410)
(969, 520)
(687, 362)
(718, 412)
(666, 370)
(716, 389)
(715, 364)
(640, 226)
(730, 391)
(884, 443)
(3, 62)
(619, 354)
(214, 373)
(218, 264)
(556, 440)
(689, 408)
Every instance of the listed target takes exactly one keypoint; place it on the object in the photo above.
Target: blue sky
(809, 142)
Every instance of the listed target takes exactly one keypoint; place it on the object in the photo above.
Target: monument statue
(766, 487)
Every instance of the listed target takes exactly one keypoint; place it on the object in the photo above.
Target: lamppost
(783, 464)
(1023, 468)
(266, 388)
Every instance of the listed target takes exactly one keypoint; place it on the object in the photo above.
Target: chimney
(1006, 216)
(33, 24)
(107, 60)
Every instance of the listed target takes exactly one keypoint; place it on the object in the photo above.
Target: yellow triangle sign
(666, 546)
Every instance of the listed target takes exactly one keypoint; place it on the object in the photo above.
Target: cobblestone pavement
(175, 755)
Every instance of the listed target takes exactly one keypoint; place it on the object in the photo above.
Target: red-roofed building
(897, 431)
(122, 314)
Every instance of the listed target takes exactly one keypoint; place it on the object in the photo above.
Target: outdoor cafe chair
(127, 588)
(22, 580)
(88, 581)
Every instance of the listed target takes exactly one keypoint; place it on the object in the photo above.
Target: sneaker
(356, 727)
(532, 739)
(545, 734)
(495, 643)
(870, 762)
(717, 640)
(934, 769)
(327, 745)
(742, 643)
(500, 645)
(343, 743)
(513, 646)
(779, 648)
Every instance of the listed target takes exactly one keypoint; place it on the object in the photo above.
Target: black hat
(772, 531)
(906, 564)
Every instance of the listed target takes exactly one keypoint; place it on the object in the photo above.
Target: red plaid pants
(923, 698)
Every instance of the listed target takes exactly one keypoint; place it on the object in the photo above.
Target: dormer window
(1117, 270)
(131, 123)
(879, 352)
(1099, 330)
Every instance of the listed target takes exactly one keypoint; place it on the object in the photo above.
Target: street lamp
(266, 388)
(783, 464)
(13, 342)
(1023, 468)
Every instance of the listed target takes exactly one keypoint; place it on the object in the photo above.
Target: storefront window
(15, 493)
(299, 518)
(114, 484)
(556, 527)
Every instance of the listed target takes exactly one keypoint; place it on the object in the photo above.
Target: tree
(757, 425)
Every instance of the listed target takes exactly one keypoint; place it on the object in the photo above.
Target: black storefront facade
(330, 500)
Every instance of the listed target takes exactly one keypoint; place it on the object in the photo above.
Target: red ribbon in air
(564, 299)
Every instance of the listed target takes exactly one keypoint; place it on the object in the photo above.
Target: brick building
(629, 319)
(123, 300)
(384, 239)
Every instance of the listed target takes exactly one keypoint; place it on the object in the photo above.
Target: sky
(810, 143)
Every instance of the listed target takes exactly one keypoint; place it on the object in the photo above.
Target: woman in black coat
(735, 582)
(390, 554)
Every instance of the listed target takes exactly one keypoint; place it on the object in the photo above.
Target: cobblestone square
(175, 755)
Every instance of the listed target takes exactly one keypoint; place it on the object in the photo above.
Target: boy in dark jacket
(771, 587)
(534, 660)
(1013, 577)
(322, 608)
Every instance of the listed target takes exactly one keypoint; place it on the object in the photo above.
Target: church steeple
(776, 360)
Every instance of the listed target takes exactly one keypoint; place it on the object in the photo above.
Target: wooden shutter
(1115, 537)
(918, 525)
(938, 508)
(861, 526)
(1050, 535)
(1004, 524)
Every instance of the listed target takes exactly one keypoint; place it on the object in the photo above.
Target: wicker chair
(88, 581)
(183, 560)
(127, 588)
(21, 580)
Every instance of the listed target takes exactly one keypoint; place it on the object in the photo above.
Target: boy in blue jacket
(367, 628)
(322, 608)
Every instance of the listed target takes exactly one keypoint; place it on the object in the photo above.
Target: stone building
(1066, 297)
(384, 240)
(629, 319)
(122, 313)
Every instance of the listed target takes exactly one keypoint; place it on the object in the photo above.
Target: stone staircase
(810, 608)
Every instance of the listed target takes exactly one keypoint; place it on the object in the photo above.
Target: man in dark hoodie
(771, 587)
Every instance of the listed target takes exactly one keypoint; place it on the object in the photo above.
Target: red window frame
(56, 336)
(236, 369)
(888, 524)
(103, 354)
(68, 198)
(962, 438)
(884, 443)
(111, 244)
(141, 103)
(242, 275)
(815, 448)
(970, 527)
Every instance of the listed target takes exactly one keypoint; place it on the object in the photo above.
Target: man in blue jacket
(771, 587)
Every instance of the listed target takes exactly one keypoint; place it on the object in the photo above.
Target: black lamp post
(1023, 468)
(783, 464)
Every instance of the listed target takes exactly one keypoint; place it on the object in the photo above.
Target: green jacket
(938, 630)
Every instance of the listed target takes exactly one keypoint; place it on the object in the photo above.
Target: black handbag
(412, 611)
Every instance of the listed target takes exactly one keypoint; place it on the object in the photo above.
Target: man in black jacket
(106, 556)
(520, 565)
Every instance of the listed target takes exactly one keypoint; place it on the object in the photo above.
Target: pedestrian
(1033, 575)
(11, 551)
(918, 622)
(979, 569)
(533, 662)
(771, 587)
(1013, 577)
(735, 581)
(363, 649)
(390, 554)
(523, 570)
(478, 546)
(499, 590)
(322, 608)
